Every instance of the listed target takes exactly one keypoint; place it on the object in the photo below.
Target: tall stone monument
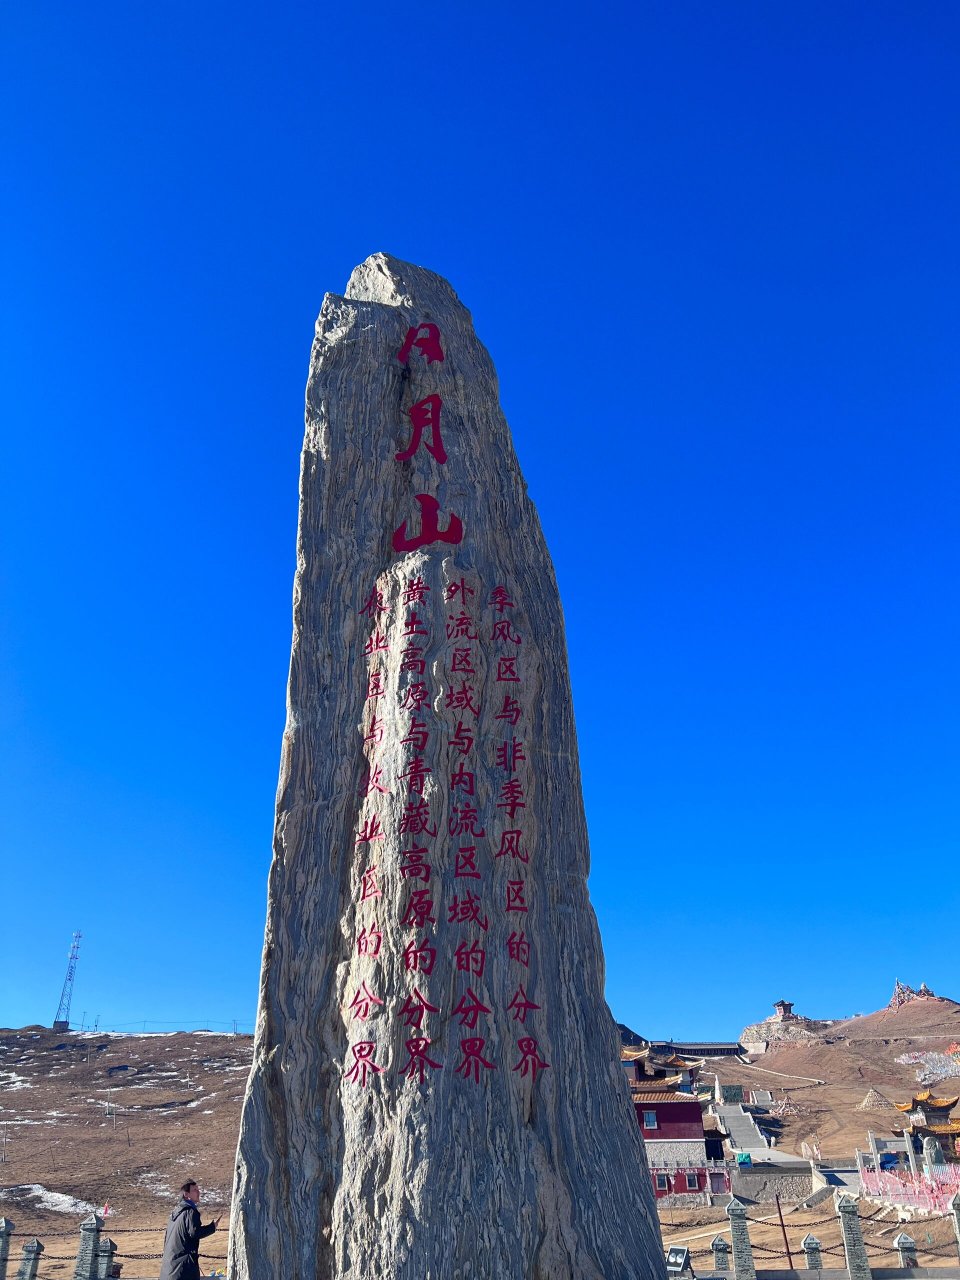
(436, 1092)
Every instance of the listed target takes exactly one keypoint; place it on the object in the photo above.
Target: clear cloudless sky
(713, 249)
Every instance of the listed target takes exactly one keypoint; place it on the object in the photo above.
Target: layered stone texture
(436, 1089)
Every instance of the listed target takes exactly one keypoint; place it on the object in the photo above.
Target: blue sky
(713, 251)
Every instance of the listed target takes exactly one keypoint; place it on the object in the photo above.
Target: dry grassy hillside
(853, 1056)
(90, 1119)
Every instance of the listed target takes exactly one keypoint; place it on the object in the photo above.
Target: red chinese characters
(369, 941)
(417, 1061)
(413, 864)
(511, 798)
(471, 959)
(416, 819)
(417, 736)
(463, 661)
(511, 710)
(503, 630)
(520, 1005)
(368, 885)
(463, 821)
(371, 830)
(511, 847)
(362, 1003)
(426, 338)
(419, 957)
(518, 948)
(469, 1009)
(466, 863)
(460, 588)
(530, 1061)
(425, 417)
(516, 896)
(419, 910)
(466, 909)
(430, 530)
(414, 1007)
(509, 754)
(415, 774)
(473, 1061)
(363, 1064)
(374, 604)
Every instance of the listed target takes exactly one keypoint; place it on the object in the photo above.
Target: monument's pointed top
(383, 278)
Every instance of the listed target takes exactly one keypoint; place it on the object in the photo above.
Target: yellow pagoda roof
(924, 1098)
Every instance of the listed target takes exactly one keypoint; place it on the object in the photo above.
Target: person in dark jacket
(184, 1233)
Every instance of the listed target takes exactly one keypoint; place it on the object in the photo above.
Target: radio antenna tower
(62, 1021)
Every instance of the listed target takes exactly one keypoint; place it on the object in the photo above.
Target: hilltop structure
(783, 1024)
(903, 994)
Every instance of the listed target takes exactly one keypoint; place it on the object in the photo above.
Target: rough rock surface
(504, 1162)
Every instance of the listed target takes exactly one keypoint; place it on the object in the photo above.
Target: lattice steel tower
(62, 1021)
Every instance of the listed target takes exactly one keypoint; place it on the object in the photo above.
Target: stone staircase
(741, 1128)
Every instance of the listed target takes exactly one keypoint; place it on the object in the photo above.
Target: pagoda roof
(924, 1099)
(656, 1083)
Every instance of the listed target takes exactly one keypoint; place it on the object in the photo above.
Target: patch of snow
(156, 1185)
(56, 1201)
(9, 1080)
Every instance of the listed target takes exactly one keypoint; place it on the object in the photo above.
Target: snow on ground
(44, 1199)
(9, 1080)
(156, 1185)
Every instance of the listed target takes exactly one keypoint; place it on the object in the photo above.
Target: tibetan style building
(671, 1121)
(929, 1117)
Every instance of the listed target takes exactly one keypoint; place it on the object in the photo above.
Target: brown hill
(89, 1119)
(826, 1080)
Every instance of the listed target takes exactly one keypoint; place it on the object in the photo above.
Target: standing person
(181, 1244)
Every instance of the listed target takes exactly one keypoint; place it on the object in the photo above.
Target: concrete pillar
(955, 1215)
(858, 1267)
(721, 1253)
(30, 1261)
(811, 1253)
(743, 1267)
(6, 1231)
(105, 1251)
(86, 1268)
(906, 1248)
